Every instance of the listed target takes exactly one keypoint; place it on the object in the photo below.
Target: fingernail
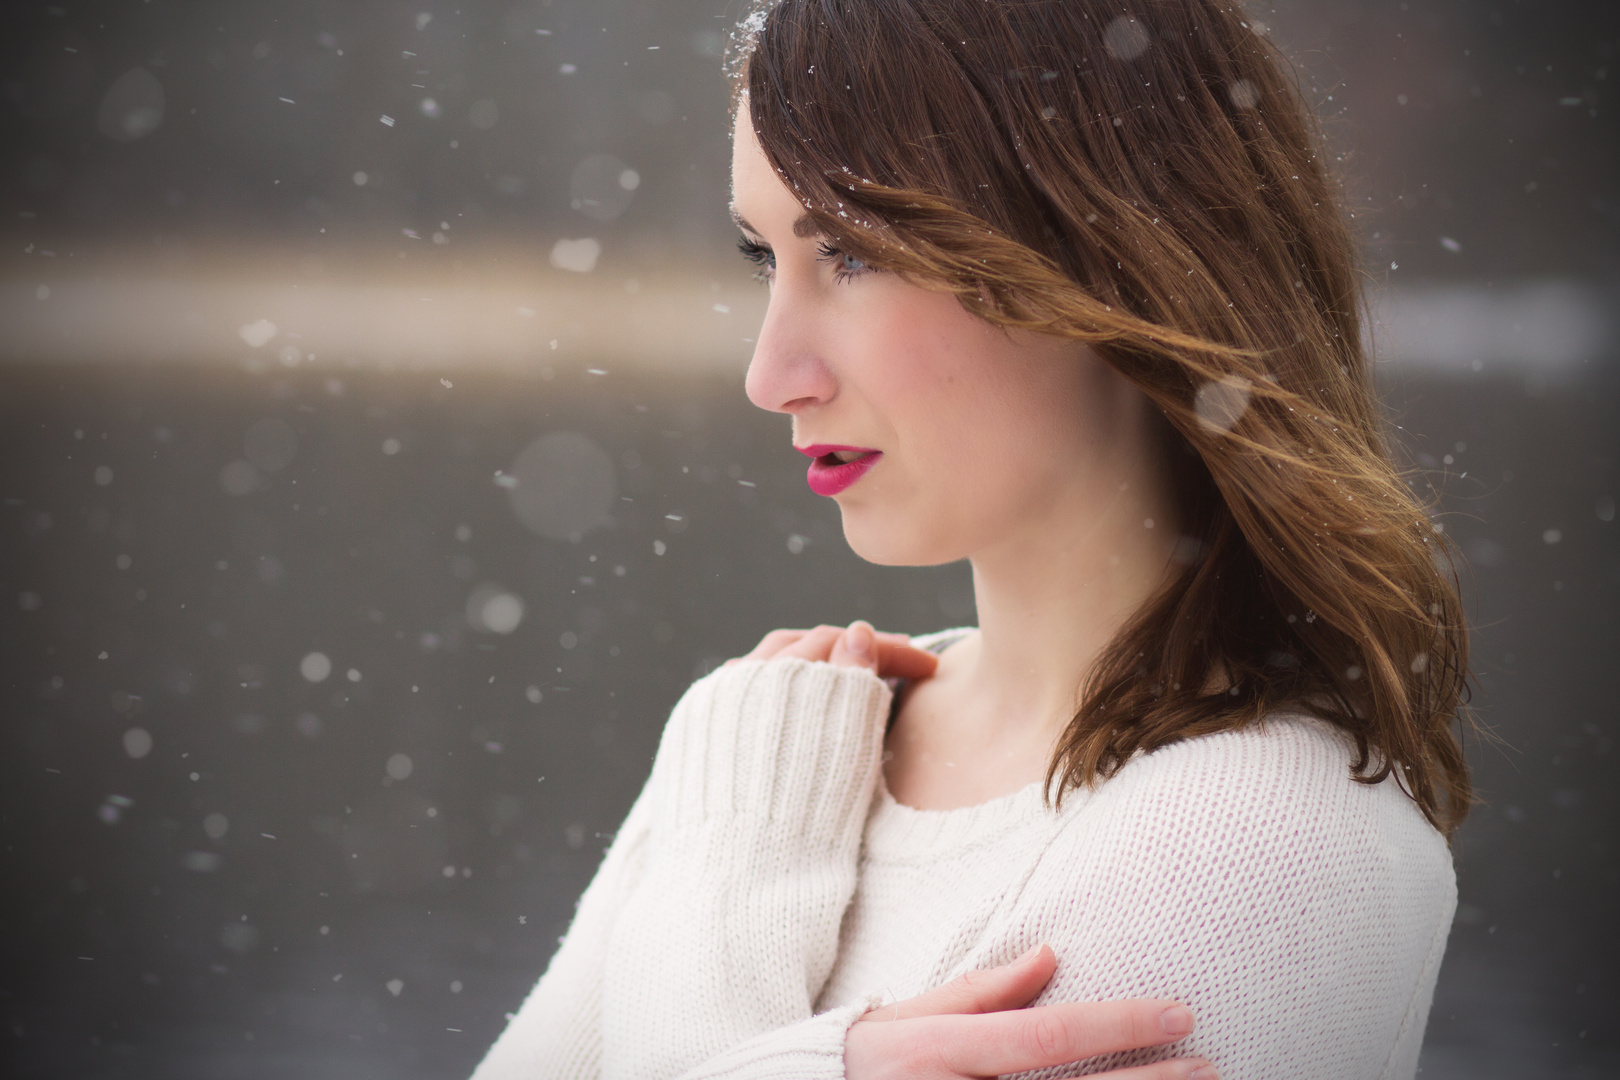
(1177, 1021)
(1204, 1072)
(1028, 954)
(858, 639)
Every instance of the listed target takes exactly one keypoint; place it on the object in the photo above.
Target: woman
(1063, 290)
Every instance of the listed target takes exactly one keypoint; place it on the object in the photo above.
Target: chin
(892, 543)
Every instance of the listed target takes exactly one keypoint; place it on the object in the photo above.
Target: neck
(1051, 598)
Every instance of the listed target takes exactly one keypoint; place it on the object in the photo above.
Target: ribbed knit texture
(765, 890)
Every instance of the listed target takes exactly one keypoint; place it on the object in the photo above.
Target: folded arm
(715, 915)
(763, 784)
(1299, 914)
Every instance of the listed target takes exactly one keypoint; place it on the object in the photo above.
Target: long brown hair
(1148, 180)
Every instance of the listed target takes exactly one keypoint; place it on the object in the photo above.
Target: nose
(787, 374)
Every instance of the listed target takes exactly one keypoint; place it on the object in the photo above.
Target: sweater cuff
(787, 740)
(812, 1049)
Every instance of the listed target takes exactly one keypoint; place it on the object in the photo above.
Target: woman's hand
(889, 656)
(976, 1026)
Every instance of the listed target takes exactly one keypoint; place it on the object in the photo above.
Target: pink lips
(828, 475)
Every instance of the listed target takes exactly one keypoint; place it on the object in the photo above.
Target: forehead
(759, 199)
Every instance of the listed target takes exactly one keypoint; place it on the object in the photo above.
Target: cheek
(967, 394)
(925, 358)
(988, 432)
(988, 428)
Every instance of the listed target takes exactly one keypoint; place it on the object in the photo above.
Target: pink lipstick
(830, 472)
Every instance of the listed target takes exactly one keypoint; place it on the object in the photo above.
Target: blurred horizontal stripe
(1552, 329)
(1545, 328)
(683, 324)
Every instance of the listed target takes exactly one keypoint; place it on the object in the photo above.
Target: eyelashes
(763, 258)
(845, 266)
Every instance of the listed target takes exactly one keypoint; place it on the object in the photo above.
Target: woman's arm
(557, 1032)
(715, 914)
(1300, 914)
(974, 1026)
(762, 785)
(731, 777)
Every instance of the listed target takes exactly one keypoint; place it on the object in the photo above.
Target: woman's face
(980, 435)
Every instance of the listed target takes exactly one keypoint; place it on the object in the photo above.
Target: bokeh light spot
(565, 485)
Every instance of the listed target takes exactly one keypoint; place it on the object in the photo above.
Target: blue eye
(845, 265)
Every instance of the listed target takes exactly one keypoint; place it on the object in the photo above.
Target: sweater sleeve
(713, 921)
(760, 792)
(1301, 915)
(557, 1032)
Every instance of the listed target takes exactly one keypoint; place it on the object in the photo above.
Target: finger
(1005, 1042)
(908, 663)
(814, 645)
(1010, 986)
(856, 647)
(774, 642)
(1175, 1069)
(897, 660)
(777, 640)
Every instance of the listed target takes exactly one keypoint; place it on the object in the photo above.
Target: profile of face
(983, 438)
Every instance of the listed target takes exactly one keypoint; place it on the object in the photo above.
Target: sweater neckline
(896, 832)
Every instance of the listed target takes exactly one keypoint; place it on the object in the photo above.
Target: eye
(845, 265)
(760, 255)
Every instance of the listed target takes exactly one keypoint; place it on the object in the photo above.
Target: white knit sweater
(766, 889)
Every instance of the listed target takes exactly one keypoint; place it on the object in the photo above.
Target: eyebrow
(803, 227)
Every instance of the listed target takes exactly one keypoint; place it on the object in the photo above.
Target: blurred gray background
(375, 473)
